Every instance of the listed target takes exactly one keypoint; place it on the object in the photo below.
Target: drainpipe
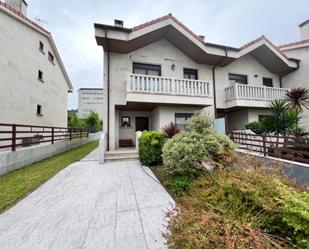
(214, 80)
(284, 74)
(108, 84)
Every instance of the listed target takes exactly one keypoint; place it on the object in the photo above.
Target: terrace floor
(88, 205)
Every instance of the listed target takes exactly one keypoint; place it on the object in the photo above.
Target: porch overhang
(138, 106)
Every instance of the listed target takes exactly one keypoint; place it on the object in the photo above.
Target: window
(146, 69)
(237, 78)
(268, 82)
(41, 47)
(125, 121)
(261, 117)
(50, 57)
(40, 75)
(190, 74)
(180, 119)
(39, 110)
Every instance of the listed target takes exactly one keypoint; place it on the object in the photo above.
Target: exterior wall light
(173, 66)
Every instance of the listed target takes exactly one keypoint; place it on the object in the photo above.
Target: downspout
(284, 74)
(214, 81)
(108, 84)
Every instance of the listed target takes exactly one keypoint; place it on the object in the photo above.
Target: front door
(141, 124)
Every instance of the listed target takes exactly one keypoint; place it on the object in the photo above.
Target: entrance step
(121, 155)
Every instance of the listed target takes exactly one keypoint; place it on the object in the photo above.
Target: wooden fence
(285, 147)
(16, 135)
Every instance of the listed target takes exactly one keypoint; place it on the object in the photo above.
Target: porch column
(112, 133)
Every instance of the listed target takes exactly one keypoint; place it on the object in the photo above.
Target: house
(90, 100)
(161, 72)
(33, 79)
(300, 77)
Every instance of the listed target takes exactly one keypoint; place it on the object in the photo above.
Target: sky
(228, 22)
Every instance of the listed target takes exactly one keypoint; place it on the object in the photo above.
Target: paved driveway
(88, 205)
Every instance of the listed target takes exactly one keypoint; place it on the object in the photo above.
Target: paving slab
(91, 205)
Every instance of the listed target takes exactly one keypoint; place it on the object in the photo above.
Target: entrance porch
(135, 117)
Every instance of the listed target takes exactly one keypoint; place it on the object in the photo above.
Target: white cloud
(223, 21)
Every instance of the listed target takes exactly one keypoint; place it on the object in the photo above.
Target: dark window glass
(268, 82)
(237, 78)
(146, 69)
(39, 110)
(40, 75)
(190, 74)
(125, 121)
(181, 118)
(41, 46)
(50, 57)
(262, 117)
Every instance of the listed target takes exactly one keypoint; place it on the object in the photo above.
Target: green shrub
(256, 127)
(198, 123)
(183, 151)
(150, 147)
(178, 185)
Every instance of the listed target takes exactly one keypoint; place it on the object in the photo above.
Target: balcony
(252, 96)
(157, 89)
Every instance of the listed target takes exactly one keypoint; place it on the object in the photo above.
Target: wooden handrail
(20, 135)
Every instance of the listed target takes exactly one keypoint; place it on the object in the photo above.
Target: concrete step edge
(120, 158)
(120, 152)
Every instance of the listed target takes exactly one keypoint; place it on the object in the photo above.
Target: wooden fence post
(70, 130)
(14, 137)
(52, 134)
(264, 146)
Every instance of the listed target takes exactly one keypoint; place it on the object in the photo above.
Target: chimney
(304, 30)
(19, 5)
(118, 23)
(202, 37)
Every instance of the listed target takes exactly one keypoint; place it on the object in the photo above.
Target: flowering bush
(186, 149)
(198, 123)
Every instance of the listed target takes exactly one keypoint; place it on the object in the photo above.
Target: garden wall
(293, 170)
(12, 160)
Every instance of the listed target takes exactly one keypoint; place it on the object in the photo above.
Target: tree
(73, 120)
(298, 98)
(93, 122)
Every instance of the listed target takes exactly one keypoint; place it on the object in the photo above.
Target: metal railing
(170, 86)
(17, 135)
(249, 92)
(285, 147)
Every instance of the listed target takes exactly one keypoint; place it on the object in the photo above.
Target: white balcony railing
(162, 85)
(241, 91)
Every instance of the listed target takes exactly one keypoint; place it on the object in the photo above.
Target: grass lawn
(19, 183)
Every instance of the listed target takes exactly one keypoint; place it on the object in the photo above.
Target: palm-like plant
(298, 98)
(283, 119)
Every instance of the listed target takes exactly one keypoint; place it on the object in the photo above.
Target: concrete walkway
(88, 205)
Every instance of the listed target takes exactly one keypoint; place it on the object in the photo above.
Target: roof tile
(157, 20)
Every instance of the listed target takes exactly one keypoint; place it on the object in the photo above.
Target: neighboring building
(299, 78)
(161, 72)
(90, 100)
(34, 82)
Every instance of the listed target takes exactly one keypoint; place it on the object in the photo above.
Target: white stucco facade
(161, 98)
(90, 100)
(299, 78)
(20, 62)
